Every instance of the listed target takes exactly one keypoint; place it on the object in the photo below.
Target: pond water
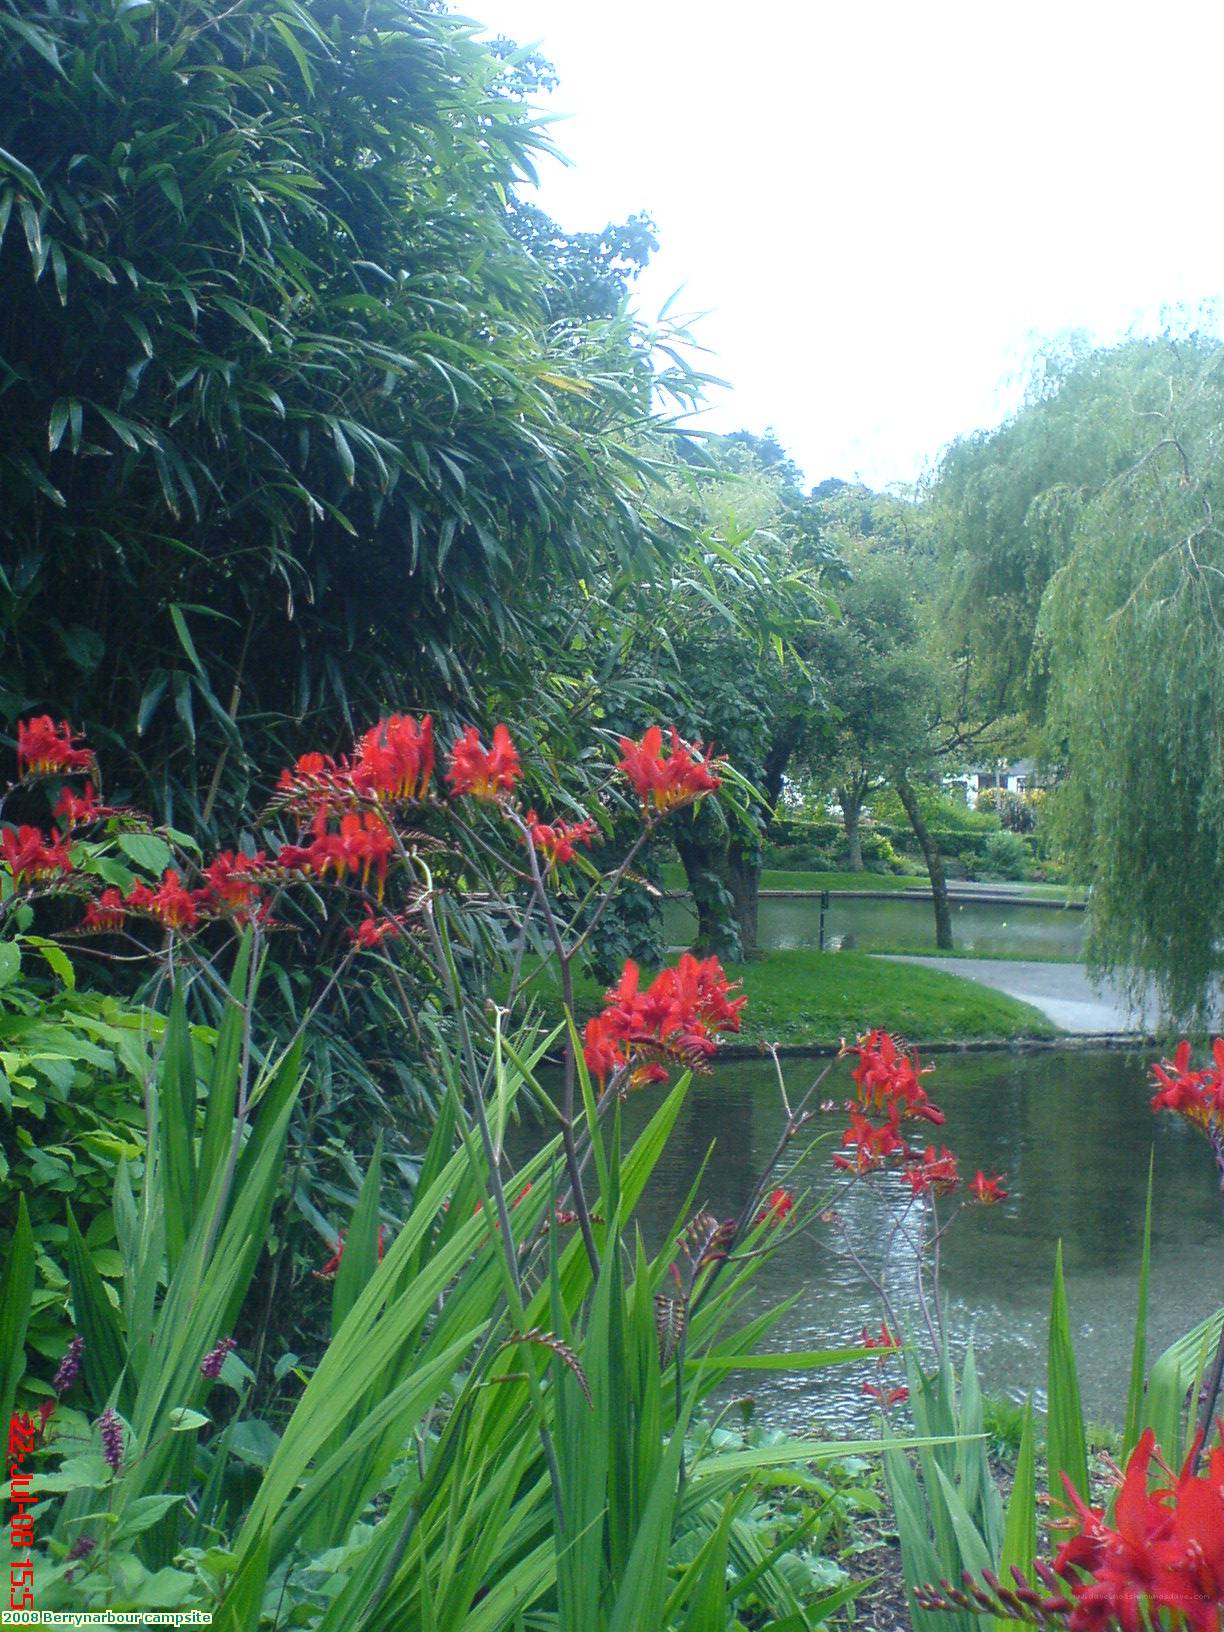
(1015, 931)
(1071, 1132)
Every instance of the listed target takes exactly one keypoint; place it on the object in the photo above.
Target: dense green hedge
(789, 833)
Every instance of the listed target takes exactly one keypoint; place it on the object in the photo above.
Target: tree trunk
(741, 872)
(703, 864)
(934, 861)
(851, 802)
(777, 758)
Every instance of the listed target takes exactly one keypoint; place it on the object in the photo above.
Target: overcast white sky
(879, 205)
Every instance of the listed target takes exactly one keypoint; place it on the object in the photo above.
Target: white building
(1016, 776)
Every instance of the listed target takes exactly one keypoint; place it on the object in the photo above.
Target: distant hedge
(788, 832)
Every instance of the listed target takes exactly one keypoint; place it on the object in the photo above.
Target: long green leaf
(226, 1070)
(16, 1290)
(1020, 1535)
(1134, 1394)
(1066, 1449)
(104, 1359)
(176, 1104)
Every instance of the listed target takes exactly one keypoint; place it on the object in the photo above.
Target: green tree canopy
(1085, 569)
(284, 431)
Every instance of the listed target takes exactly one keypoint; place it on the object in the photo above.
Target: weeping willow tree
(1132, 629)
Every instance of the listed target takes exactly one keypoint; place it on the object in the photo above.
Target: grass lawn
(815, 998)
(776, 879)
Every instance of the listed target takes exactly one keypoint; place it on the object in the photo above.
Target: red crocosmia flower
(870, 1145)
(106, 914)
(778, 1203)
(79, 809)
(886, 1340)
(556, 842)
(44, 748)
(1164, 1552)
(395, 759)
(173, 905)
(363, 844)
(32, 857)
(1198, 1096)
(680, 1013)
(228, 880)
(601, 1049)
(371, 932)
(642, 1076)
(930, 1172)
(985, 1190)
(669, 780)
(485, 773)
(316, 783)
(887, 1397)
(886, 1077)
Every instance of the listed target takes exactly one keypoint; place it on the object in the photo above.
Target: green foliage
(942, 811)
(73, 1069)
(1132, 622)
(949, 1515)
(424, 1355)
(1083, 570)
(1004, 855)
(283, 421)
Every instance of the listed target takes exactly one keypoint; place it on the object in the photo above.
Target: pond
(1071, 1132)
(1015, 931)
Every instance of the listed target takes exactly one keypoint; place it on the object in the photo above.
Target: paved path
(1062, 991)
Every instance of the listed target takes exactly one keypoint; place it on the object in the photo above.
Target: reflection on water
(865, 926)
(1070, 1132)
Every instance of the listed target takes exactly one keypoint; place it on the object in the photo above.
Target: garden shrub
(1005, 855)
(73, 1068)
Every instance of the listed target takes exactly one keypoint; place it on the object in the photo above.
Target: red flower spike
(371, 932)
(985, 1190)
(929, 1172)
(886, 1340)
(556, 842)
(228, 882)
(105, 915)
(485, 773)
(778, 1204)
(1163, 1554)
(1198, 1096)
(670, 780)
(79, 810)
(44, 748)
(871, 1145)
(171, 905)
(395, 759)
(681, 1012)
(887, 1398)
(887, 1078)
(32, 857)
